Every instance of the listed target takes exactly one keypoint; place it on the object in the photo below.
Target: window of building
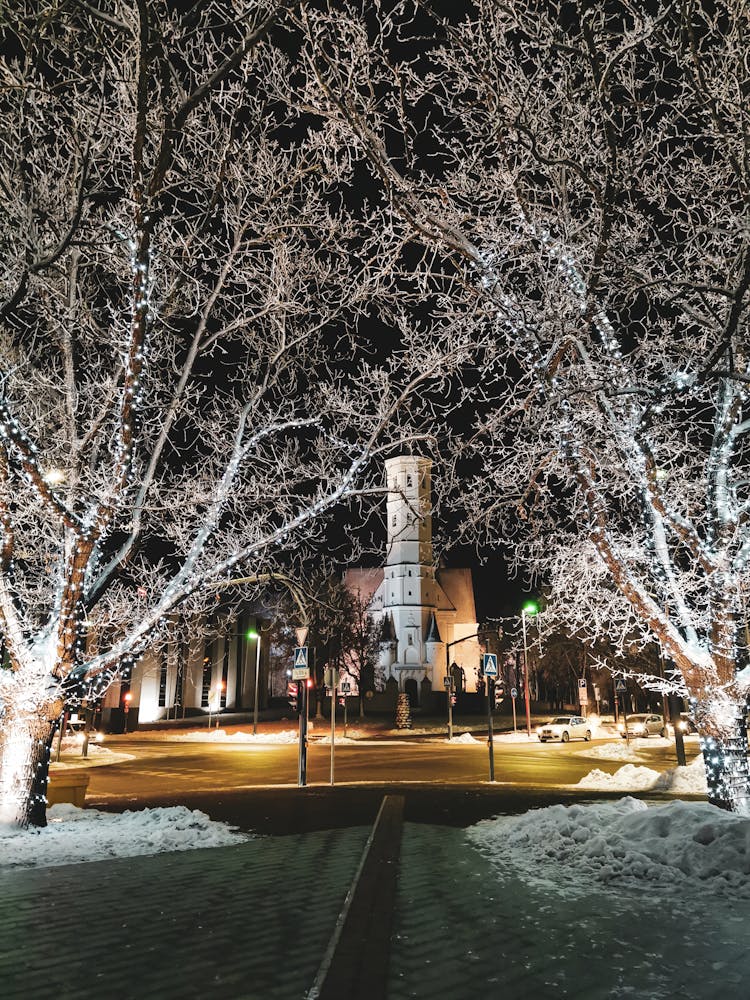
(225, 673)
(409, 480)
(206, 682)
(163, 680)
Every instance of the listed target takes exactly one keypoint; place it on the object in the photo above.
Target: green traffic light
(252, 634)
(530, 608)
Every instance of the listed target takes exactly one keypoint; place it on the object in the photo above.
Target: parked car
(686, 724)
(564, 728)
(643, 725)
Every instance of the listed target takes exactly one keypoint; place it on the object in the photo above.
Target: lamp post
(529, 609)
(254, 634)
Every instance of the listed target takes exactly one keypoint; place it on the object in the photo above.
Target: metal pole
(345, 716)
(490, 744)
(515, 724)
(257, 673)
(333, 725)
(449, 688)
(526, 674)
(302, 702)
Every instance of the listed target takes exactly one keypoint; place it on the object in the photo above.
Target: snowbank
(98, 756)
(674, 847)
(631, 778)
(75, 835)
(464, 738)
(628, 749)
(222, 736)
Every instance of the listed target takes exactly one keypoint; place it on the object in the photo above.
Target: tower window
(409, 480)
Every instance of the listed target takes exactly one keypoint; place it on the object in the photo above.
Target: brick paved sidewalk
(252, 922)
(248, 922)
(464, 930)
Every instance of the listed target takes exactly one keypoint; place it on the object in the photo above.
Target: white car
(564, 728)
(643, 726)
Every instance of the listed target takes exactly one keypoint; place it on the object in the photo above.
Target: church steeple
(409, 510)
(433, 632)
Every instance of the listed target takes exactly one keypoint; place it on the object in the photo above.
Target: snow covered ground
(75, 835)
(690, 780)
(222, 736)
(98, 755)
(629, 749)
(665, 847)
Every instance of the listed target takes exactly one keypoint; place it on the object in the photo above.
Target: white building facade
(427, 613)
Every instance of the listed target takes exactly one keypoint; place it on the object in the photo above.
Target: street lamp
(254, 634)
(529, 609)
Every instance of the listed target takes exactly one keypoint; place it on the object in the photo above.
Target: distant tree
(578, 175)
(362, 640)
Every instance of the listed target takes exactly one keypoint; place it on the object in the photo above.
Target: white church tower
(409, 590)
(419, 609)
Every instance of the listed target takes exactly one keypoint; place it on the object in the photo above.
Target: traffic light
(292, 693)
(498, 695)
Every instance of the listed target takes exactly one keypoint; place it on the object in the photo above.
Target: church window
(410, 639)
(393, 521)
(409, 481)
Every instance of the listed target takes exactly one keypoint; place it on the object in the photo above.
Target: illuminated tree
(191, 377)
(581, 173)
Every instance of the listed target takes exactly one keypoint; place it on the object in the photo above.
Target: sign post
(345, 689)
(448, 681)
(513, 696)
(621, 689)
(583, 694)
(489, 664)
(331, 681)
(301, 672)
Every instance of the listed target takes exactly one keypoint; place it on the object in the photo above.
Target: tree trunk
(24, 769)
(726, 763)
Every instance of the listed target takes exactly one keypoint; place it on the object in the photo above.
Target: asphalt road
(256, 785)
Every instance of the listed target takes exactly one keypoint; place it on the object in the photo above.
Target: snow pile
(97, 756)
(612, 751)
(222, 736)
(339, 739)
(464, 738)
(75, 835)
(630, 778)
(674, 847)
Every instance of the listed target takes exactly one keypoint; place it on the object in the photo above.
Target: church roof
(459, 590)
(433, 632)
(387, 629)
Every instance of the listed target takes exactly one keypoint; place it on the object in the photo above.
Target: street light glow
(252, 634)
(530, 608)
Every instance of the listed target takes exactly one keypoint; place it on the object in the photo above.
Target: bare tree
(582, 172)
(191, 378)
(363, 637)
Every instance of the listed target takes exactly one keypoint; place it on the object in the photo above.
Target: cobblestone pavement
(252, 922)
(461, 931)
(248, 922)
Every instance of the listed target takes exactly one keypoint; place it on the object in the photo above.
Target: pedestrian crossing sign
(489, 664)
(300, 671)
